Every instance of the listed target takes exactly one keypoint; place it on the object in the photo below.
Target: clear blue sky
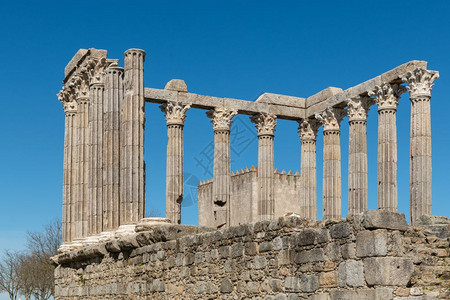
(224, 48)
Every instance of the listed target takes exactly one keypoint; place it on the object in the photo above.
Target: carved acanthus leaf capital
(79, 83)
(307, 129)
(387, 95)
(221, 118)
(331, 118)
(420, 82)
(67, 98)
(265, 123)
(95, 69)
(358, 108)
(175, 112)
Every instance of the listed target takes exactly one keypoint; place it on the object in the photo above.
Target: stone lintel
(242, 106)
(79, 57)
(282, 100)
(322, 95)
(340, 99)
(285, 107)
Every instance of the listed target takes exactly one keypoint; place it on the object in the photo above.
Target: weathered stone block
(374, 219)
(389, 271)
(237, 250)
(309, 283)
(265, 247)
(351, 273)
(328, 279)
(319, 297)
(306, 237)
(292, 284)
(377, 294)
(259, 262)
(340, 230)
(371, 243)
(348, 251)
(226, 286)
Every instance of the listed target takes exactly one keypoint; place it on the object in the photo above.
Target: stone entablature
(373, 255)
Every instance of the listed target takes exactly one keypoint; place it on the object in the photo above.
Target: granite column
(265, 126)
(175, 114)
(420, 83)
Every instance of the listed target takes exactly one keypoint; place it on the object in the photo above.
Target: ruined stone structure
(244, 197)
(106, 234)
(370, 256)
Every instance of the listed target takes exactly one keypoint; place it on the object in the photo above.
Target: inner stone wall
(374, 255)
(244, 197)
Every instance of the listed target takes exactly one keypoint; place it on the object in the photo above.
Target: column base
(148, 223)
(90, 240)
(124, 230)
(106, 236)
(75, 244)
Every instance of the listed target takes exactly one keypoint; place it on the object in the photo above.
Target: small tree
(9, 274)
(41, 246)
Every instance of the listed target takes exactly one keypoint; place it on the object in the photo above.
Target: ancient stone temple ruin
(246, 246)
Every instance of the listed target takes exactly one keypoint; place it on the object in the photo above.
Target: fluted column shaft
(387, 160)
(132, 166)
(357, 167)
(308, 190)
(111, 148)
(83, 169)
(330, 120)
(357, 156)
(96, 159)
(175, 115)
(420, 83)
(221, 120)
(67, 98)
(265, 125)
(387, 96)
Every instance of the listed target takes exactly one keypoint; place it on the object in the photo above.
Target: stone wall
(244, 197)
(374, 255)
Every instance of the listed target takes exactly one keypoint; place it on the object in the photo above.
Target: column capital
(79, 83)
(331, 118)
(174, 112)
(387, 95)
(358, 109)
(307, 130)
(221, 118)
(95, 69)
(67, 98)
(420, 82)
(265, 123)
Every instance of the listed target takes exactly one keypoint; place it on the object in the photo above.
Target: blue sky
(236, 49)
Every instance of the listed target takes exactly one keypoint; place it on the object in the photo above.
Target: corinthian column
(330, 120)
(307, 130)
(175, 114)
(132, 119)
(386, 96)
(67, 98)
(95, 69)
(111, 147)
(420, 83)
(357, 155)
(81, 87)
(265, 125)
(221, 120)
